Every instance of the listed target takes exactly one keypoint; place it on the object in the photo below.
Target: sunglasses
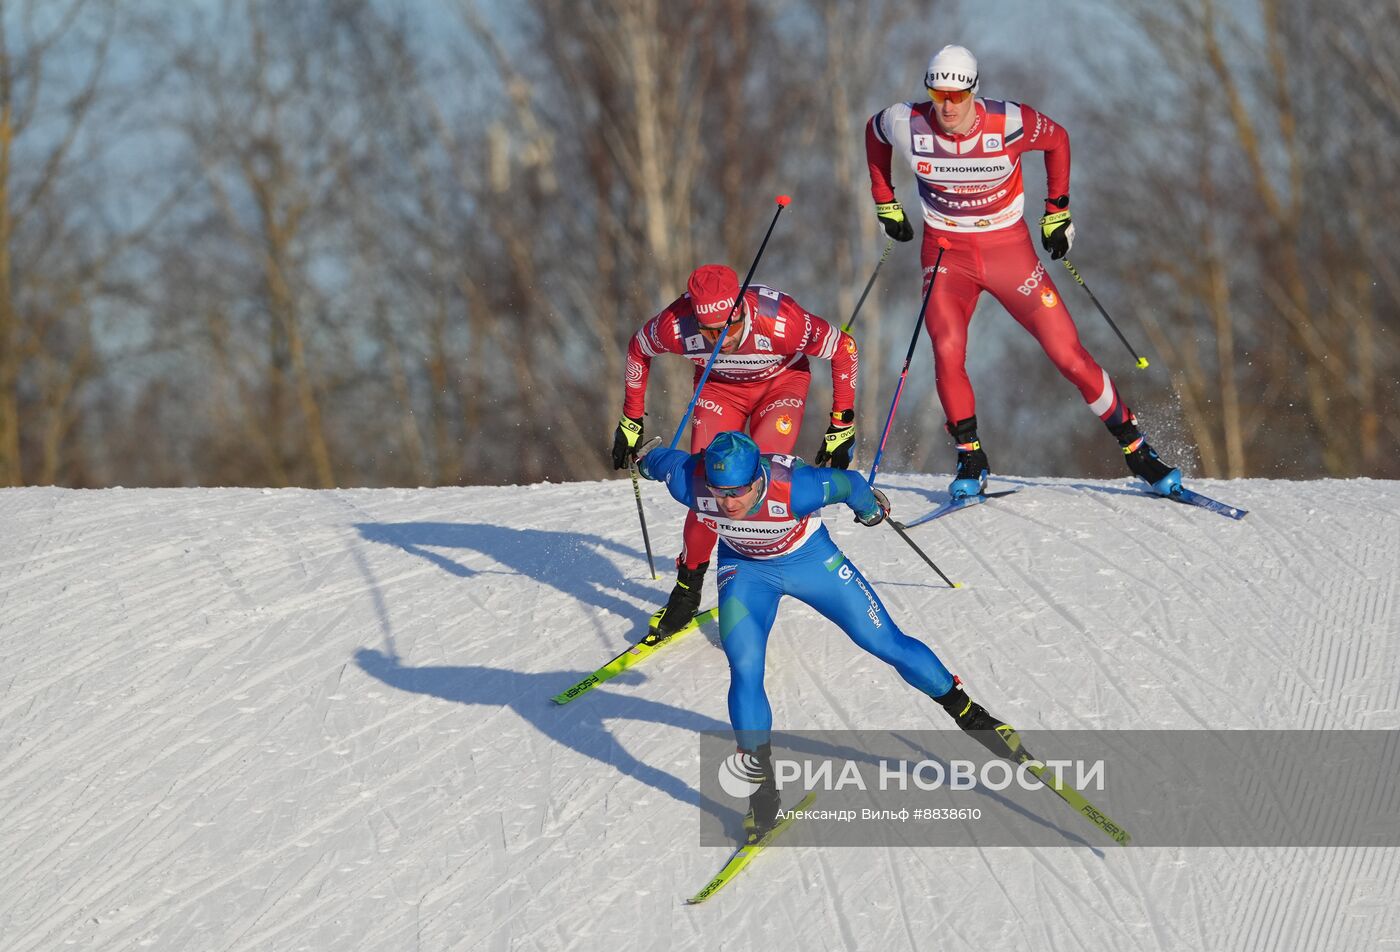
(712, 334)
(954, 96)
(729, 492)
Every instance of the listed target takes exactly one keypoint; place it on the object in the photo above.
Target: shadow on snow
(583, 727)
(573, 563)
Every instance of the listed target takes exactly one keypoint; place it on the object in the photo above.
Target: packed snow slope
(247, 720)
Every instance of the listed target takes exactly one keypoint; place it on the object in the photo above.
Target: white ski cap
(953, 67)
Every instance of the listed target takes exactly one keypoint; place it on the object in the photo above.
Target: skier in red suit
(965, 153)
(759, 380)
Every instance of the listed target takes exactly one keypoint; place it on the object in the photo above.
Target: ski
(745, 854)
(958, 503)
(1073, 797)
(1080, 803)
(630, 658)
(1192, 498)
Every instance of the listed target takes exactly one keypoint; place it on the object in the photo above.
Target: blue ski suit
(780, 547)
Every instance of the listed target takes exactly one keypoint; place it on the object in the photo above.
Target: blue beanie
(731, 459)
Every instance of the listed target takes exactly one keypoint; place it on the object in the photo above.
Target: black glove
(839, 443)
(891, 215)
(625, 440)
(1056, 230)
(878, 514)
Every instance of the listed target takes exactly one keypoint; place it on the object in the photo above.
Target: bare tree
(1251, 195)
(641, 108)
(49, 266)
(265, 124)
(420, 239)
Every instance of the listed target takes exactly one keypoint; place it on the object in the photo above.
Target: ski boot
(1142, 458)
(995, 735)
(972, 462)
(765, 801)
(681, 607)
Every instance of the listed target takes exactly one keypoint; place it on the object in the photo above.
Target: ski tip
(1192, 498)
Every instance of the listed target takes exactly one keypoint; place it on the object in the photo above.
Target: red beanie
(713, 290)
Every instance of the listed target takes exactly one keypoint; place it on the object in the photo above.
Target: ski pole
(943, 246)
(1141, 360)
(782, 201)
(846, 327)
(899, 527)
(637, 489)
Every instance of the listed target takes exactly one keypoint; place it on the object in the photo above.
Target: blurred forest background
(346, 242)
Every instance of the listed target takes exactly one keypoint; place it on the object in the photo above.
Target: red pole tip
(944, 243)
(783, 200)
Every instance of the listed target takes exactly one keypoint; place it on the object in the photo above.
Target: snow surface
(243, 719)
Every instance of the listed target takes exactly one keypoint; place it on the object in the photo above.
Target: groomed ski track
(243, 720)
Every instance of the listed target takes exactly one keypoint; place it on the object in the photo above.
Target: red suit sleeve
(660, 335)
(822, 339)
(877, 157)
(1045, 135)
(845, 364)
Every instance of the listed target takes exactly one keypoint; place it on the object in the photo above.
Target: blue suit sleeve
(814, 487)
(672, 467)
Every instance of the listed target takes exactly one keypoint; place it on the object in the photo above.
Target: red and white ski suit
(971, 191)
(762, 385)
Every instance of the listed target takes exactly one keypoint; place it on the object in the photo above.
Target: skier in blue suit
(766, 509)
